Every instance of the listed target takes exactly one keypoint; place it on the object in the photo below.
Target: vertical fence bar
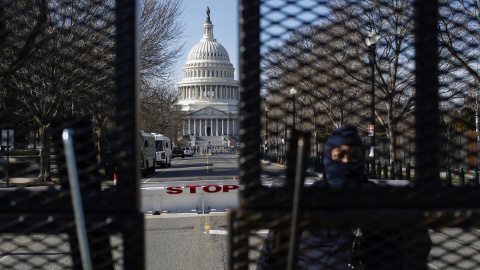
(399, 171)
(448, 176)
(475, 177)
(127, 65)
(385, 170)
(373, 167)
(249, 28)
(427, 114)
(461, 177)
(367, 166)
(77, 200)
(392, 171)
(127, 115)
(407, 172)
(302, 153)
(379, 170)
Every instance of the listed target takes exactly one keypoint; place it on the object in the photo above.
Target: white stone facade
(208, 94)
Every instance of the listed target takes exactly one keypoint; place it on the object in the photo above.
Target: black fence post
(379, 170)
(367, 167)
(448, 176)
(392, 170)
(461, 177)
(373, 166)
(407, 172)
(399, 171)
(475, 177)
(385, 170)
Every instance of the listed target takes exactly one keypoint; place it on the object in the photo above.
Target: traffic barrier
(189, 196)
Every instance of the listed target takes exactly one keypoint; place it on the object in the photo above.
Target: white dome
(208, 50)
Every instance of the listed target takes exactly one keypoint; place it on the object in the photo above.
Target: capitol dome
(208, 48)
(208, 94)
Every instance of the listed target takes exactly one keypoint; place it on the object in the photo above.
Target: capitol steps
(209, 140)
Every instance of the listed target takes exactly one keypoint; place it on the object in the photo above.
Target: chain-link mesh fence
(307, 67)
(405, 74)
(69, 65)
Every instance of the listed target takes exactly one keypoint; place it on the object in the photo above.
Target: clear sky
(224, 17)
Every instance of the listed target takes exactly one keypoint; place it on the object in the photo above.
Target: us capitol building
(209, 95)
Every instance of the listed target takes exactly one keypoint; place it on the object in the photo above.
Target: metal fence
(305, 69)
(68, 67)
(398, 68)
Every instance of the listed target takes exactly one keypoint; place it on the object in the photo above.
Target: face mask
(338, 173)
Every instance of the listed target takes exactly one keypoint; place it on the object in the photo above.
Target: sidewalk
(28, 181)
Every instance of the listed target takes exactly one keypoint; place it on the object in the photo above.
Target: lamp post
(266, 129)
(371, 41)
(293, 92)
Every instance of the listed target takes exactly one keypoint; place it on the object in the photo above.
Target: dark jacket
(318, 250)
(386, 247)
(325, 249)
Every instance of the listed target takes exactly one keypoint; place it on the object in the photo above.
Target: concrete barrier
(189, 196)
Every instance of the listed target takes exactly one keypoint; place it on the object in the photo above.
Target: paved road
(217, 167)
(186, 241)
(198, 167)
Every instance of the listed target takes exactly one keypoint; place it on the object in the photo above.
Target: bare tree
(459, 21)
(160, 33)
(58, 61)
(333, 71)
(160, 47)
(394, 77)
(19, 40)
(326, 97)
(459, 41)
(158, 111)
(19, 43)
(70, 75)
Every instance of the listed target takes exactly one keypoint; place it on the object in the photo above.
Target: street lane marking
(221, 232)
(225, 232)
(207, 224)
(207, 163)
(208, 247)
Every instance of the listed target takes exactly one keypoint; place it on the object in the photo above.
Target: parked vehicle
(177, 152)
(163, 147)
(187, 151)
(147, 153)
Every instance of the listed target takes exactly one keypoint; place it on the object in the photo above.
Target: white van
(147, 153)
(164, 150)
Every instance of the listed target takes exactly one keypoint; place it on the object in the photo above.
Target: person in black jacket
(336, 249)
